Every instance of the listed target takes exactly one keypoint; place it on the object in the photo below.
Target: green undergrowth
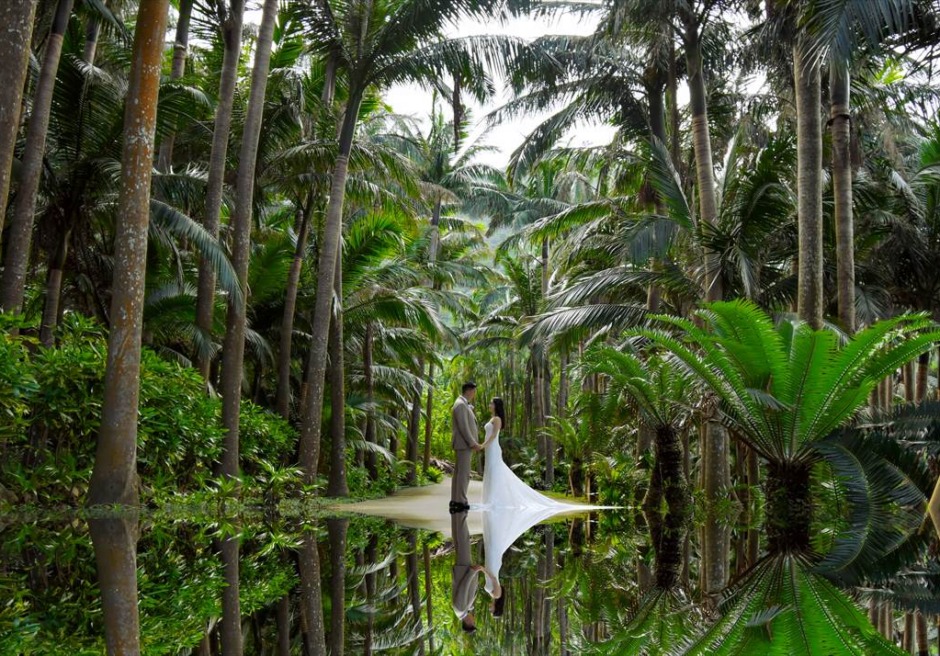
(50, 413)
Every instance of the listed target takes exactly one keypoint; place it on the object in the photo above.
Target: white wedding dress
(503, 489)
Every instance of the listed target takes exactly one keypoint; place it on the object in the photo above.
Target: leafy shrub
(50, 414)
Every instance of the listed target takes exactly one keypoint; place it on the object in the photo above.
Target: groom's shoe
(457, 507)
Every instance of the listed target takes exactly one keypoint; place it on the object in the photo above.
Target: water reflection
(115, 544)
(604, 583)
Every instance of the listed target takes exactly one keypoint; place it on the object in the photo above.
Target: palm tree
(375, 45)
(113, 480)
(14, 50)
(230, 18)
(13, 283)
(233, 350)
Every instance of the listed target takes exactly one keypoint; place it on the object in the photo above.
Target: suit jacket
(464, 589)
(463, 426)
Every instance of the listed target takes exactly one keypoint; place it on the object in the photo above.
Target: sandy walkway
(427, 507)
(421, 507)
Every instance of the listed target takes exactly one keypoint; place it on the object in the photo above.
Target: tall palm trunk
(115, 543)
(414, 425)
(432, 259)
(17, 17)
(233, 350)
(180, 50)
(701, 141)
(311, 427)
(114, 478)
(428, 419)
(336, 486)
(13, 284)
(231, 629)
(232, 44)
(367, 345)
(50, 312)
(716, 473)
(282, 397)
(806, 77)
(841, 127)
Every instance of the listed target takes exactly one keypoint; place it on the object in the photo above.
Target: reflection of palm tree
(782, 606)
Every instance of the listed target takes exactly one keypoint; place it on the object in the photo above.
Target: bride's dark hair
(500, 409)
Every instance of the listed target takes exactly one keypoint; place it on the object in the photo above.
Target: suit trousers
(461, 480)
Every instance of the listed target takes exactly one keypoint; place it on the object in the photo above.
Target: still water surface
(590, 583)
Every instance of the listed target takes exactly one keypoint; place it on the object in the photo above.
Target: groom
(464, 440)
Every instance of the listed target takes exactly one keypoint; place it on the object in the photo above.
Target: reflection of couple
(509, 508)
(501, 487)
(464, 577)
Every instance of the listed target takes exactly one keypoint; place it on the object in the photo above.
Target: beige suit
(463, 438)
(464, 582)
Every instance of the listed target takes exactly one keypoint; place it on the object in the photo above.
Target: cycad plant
(782, 388)
(662, 395)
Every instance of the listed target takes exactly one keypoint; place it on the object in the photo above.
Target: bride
(501, 487)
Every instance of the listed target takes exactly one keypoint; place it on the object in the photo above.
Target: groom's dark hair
(469, 385)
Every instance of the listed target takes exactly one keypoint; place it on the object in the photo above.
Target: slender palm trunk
(114, 479)
(701, 140)
(282, 397)
(716, 473)
(414, 426)
(432, 259)
(50, 312)
(115, 543)
(180, 50)
(232, 44)
(841, 127)
(311, 426)
(17, 17)
(367, 345)
(337, 486)
(429, 418)
(428, 588)
(414, 585)
(233, 349)
(13, 284)
(283, 625)
(806, 77)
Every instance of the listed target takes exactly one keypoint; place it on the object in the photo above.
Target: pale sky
(417, 101)
(413, 100)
